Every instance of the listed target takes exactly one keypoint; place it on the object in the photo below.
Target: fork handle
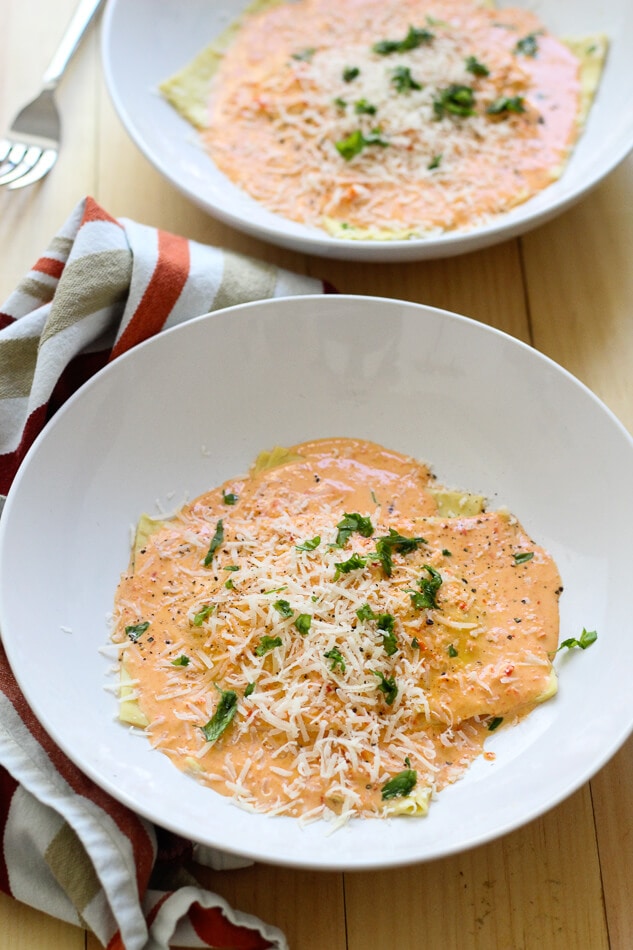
(78, 25)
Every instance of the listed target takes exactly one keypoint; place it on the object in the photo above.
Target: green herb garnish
(506, 104)
(284, 608)
(387, 544)
(305, 55)
(336, 659)
(350, 73)
(414, 38)
(388, 686)
(385, 623)
(429, 586)
(249, 689)
(452, 651)
(183, 660)
(476, 68)
(363, 107)
(353, 145)
(134, 630)
(400, 785)
(455, 100)
(523, 556)
(222, 717)
(202, 614)
(354, 563)
(495, 723)
(528, 45)
(303, 623)
(435, 162)
(403, 81)
(353, 523)
(266, 644)
(216, 541)
(310, 544)
(587, 637)
(229, 498)
(340, 103)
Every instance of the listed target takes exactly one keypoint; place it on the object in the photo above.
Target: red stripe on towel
(165, 286)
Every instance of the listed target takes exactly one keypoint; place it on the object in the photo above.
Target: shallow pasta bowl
(191, 408)
(143, 43)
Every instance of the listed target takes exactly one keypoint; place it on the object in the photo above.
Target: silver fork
(30, 148)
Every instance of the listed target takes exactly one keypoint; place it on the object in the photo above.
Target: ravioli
(334, 634)
(389, 120)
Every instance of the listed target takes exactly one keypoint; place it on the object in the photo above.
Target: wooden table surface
(563, 881)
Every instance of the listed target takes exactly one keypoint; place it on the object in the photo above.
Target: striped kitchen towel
(102, 286)
(68, 848)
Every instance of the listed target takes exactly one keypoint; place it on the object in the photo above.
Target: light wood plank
(580, 288)
(539, 888)
(308, 906)
(29, 217)
(23, 928)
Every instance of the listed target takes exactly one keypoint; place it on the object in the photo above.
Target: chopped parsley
(495, 723)
(310, 544)
(394, 542)
(202, 614)
(354, 563)
(528, 45)
(476, 68)
(283, 607)
(414, 38)
(400, 785)
(587, 637)
(429, 586)
(249, 689)
(355, 142)
(452, 651)
(216, 541)
(402, 80)
(335, 658)
(305, 55)
(183, 660)
(505, 104)
(363, 107)
(455, 100)
(435, 162)
(353, 523)
(229, 498)
(134, 630)
(303, 623)
(350, 73)
(266, 644)
(523, 556)
(388, 686)
(222, 717)
(385, 623)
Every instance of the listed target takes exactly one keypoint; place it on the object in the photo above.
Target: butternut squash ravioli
(389, 119)
(334, 634)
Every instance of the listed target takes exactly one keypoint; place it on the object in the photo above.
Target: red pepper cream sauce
(334, 635)
(393, 118)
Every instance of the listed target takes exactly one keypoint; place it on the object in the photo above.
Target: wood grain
(561, 882)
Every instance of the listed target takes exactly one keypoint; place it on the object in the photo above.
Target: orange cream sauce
(318, 732)
(282, 99)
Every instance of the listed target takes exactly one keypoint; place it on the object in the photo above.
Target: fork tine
(29, 158)
(14, 156)
(41, 168)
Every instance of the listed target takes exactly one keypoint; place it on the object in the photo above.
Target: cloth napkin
(102, 286)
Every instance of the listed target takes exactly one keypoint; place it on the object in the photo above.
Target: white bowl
(192, 407)
(144, 42)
